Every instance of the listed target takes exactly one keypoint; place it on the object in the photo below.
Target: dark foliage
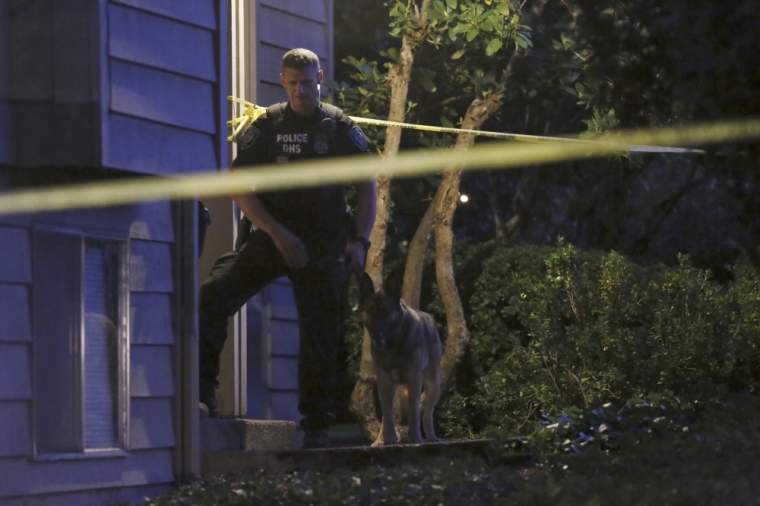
(559, 327)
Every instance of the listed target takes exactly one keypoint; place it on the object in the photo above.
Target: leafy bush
(559, 327)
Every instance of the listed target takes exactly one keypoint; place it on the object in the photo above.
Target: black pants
(320, 300)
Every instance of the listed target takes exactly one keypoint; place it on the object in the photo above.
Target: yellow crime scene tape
(253, 111)
(309, 173)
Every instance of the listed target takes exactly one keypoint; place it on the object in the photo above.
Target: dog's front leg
(415, 391)
(386, 390)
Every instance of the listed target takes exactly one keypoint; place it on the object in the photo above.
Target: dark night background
(652, 63)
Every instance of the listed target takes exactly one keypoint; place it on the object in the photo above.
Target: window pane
(101, 344)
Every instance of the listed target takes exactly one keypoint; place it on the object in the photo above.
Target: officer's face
(302, 87)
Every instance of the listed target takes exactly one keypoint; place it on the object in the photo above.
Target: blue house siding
(15, 343)
(134, 85)
(15, 421)
(22, 477)
(16, 265)
(140, 86)
(175, 55)
(301, 32)
(151, 371)
(163, 113)
(282, 25)
(150, 267)
(154, 147)
(48, 58)
(14, 313)
(202, 13)
(89, 64)
(161, 96)
(148, 462)
(15, 380)
(5, 118)
(149, 324)
(152, 419)
(148, 427)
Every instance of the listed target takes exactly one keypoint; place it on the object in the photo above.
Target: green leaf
(452, 4)
(458, 54)
(503, 9)
(580, 88)
(461, 28)
(493, 46)
(521, 42)
(433, 14)
(524, 38)
(471, 34)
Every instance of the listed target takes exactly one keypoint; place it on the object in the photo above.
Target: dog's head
(381, 309)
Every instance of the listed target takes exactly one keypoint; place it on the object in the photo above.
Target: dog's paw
(433, 439)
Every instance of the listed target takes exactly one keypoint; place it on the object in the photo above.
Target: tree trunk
(457, 334)
(478, 112)
(444, 204)
(362, 397)
(415, 257)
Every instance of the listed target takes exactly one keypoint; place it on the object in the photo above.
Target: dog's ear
(366, 287)
(393, 283)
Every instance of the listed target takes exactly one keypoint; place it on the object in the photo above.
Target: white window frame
(51, 344)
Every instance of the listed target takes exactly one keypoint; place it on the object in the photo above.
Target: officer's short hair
(299, 58)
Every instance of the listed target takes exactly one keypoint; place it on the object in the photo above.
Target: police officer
(296, 233)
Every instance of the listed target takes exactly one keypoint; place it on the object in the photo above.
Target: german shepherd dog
(406, 349)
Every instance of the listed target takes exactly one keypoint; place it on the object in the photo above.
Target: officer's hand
(357, 256)
(291, 248)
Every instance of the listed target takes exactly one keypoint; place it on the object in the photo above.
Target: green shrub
(559, 327)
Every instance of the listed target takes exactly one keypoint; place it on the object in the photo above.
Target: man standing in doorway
(296, 233)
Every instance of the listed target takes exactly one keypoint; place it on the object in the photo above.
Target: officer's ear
(320, 74)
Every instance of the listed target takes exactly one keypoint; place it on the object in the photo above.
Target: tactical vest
(290, 143)
(317, 211)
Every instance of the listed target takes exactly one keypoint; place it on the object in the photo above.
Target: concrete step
(241, 434)
(221, 462)
(341, 435)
